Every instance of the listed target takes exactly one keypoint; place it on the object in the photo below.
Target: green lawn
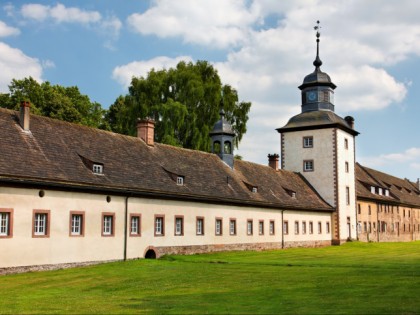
(354, 278)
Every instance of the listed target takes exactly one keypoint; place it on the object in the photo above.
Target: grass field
(354, 278)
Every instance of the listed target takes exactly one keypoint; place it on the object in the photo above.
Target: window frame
(47, 214)
(327, 227)
(97, 169)
(285, 227)
(162, 227)
(232, 220)
(82, 225)
(319, 227)
(181, 219)
(308, 142)
(303, 227)
(346, 143)
(296, 227)
(311, 227)
(138, 216)
(347, 167)
(180, 180)
(218, 219)
(104, 216)
(306, 163)
(260, 227)
(199, 224)
(249, 223)
(9, 232)
(271, 227)
(347, 195)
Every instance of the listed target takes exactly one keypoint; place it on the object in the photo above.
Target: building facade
(73, 194)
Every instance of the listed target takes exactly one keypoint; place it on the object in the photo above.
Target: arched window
(227, 147)
(216, 147)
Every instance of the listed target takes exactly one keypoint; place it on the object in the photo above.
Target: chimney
(146, 130)
(350, 121)
(24, 115)
(418, 183)
(273, 161)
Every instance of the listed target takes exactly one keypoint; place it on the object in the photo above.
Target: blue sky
(371, 50)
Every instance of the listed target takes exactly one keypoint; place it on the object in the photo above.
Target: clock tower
(320, 145)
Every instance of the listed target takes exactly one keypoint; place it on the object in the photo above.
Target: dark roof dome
(222, 126)
(317, 78)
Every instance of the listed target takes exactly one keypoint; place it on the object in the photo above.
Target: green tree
(64, 103)
(185, 103)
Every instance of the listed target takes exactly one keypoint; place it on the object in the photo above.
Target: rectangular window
(327, 227)
(346, 143)
(249, 227)
(311, 228)
(272, 230)
(285, 227)
(180, 180)
(261, 227)
(370, 227)
(135, 224)
(200, 226)
(348, 195)
(179, 225)
(98, 168)
(308, 166)
(108, 223)
(369, 210)
(41, 223)
(159, 225)
(359, 210)
(347, 167)
(77, 223)
(218, 226)
(303, 227)
(232, 226)
(308, 142)
(364, 227)
(319, 227)
(6, 223)
(296, 227)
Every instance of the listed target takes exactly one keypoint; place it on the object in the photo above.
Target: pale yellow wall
(346, 180)
(22, 249)
(322, 154)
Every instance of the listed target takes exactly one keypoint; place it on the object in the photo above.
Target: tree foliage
(64, 103)
(185, 103)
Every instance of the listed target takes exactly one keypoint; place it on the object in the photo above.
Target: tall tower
(321, 145)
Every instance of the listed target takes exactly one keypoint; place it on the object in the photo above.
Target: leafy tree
(184, 101)
(64, 103)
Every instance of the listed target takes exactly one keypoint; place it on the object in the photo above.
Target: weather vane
(317, 28)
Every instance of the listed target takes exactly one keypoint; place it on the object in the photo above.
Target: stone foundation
(201, 249)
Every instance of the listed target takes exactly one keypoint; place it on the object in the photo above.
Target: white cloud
(123, 74)
(6, 30)
(207, 22)
(14, 64)
(411, 156)
(59, 13)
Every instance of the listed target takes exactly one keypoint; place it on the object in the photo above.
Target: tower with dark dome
(320, 145)
(222, 137)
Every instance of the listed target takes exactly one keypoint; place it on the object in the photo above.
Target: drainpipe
(125, 227)
(282, 230)
(377, 222)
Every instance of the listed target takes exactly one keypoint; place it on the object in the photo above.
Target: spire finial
(317, 62)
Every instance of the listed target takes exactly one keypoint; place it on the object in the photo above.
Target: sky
(264, 49)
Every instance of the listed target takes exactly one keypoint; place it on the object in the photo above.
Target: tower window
(308, 166)
(347, 167)
(346, 143)
(216, 147)
(308, 142)
(227, 147)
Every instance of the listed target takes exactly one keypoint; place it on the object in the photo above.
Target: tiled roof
(56, 153)
(401, 190)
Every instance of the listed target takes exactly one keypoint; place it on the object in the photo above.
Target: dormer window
(380, 191)
(254, 189)
(372, 189)
(387, 192)
(180, 180)
(291, 193)
(98, 169)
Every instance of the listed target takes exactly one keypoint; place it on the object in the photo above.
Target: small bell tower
(222, 137)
